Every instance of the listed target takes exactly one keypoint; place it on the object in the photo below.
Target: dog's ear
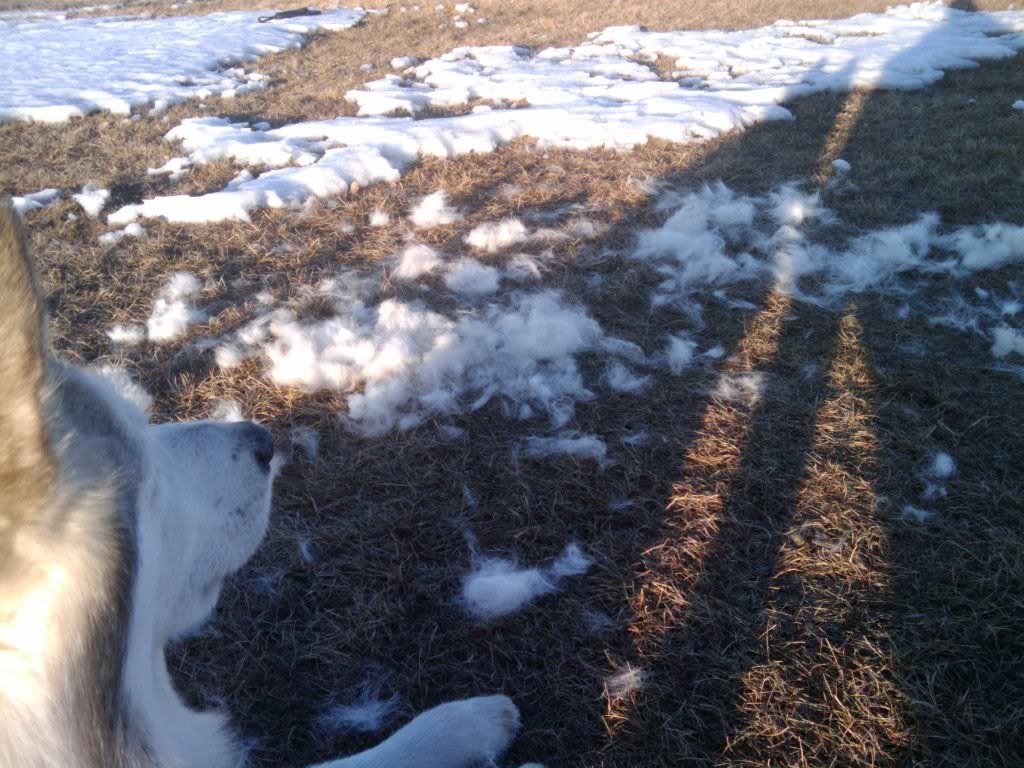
(27, 464)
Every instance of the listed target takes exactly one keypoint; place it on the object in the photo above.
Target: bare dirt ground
(750, 556)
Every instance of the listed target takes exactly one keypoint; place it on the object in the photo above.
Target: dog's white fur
(115, 537)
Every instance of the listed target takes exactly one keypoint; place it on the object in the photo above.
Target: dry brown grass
(750, 556)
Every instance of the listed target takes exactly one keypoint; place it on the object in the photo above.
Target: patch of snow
(92, 199)
(53, 73)
(841, 166)
(403, 62)
(175, 168)
(1019, 104)
(35, 201)
(379, 218)
(599, 94)
(471, 278)
(131, 230)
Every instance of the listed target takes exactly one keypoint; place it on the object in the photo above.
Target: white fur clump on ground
(679, 352)
(1007, 341)
(127, 335)
(471, 278)
(415, 261)
(227, 410)
(433, 211)
(619, 378)
(495, 236)
(624, 683)
(497, 588)
(379, 218)
(370, 712)
(413, 363)
(173, 310)
(575, 446)
(942, 466)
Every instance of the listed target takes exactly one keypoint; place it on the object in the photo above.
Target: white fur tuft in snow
(416, 260)
(173, 311)
(433, 211)
(495, 236)
(92, 199)
(942, 466)
(471, 278)
(35, 201)
(497, 588)
(576, 446)
(127, 335)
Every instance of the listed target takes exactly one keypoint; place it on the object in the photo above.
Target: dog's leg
(459, 734)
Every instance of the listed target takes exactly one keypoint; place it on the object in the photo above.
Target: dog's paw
(467, 733)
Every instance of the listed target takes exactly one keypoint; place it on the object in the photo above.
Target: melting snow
(55, 69)
(35, 201)
(592, 95)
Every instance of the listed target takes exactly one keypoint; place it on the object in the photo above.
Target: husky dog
(115, 537)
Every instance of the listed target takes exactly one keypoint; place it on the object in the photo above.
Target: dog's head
(115, 535)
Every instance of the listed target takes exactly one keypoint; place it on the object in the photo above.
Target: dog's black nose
(262, 442)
